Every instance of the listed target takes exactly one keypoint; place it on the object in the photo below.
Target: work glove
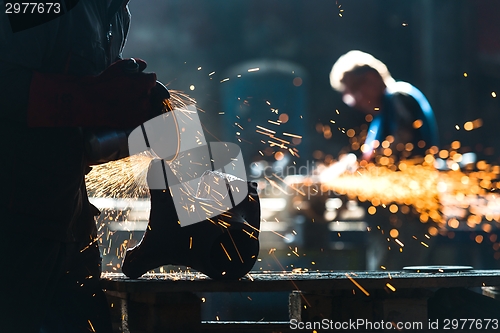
(122, 96)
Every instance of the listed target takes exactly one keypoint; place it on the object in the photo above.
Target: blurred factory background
(250, 62)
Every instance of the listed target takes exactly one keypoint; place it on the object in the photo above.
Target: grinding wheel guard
(204, 214)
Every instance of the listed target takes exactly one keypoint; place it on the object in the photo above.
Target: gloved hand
(122, 96)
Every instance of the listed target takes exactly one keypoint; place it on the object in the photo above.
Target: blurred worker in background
(399, 109)
(402, 116)
(58, 76)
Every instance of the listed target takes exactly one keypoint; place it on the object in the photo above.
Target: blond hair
(354, 59)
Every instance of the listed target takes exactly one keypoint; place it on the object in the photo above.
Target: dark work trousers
(51, 287)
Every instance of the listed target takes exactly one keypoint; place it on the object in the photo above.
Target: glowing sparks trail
(91, 326)
(225, 251)
(357, 285)
(390, 286)
(293, 135)
(126, 178)
(440, 196)
(417, 186)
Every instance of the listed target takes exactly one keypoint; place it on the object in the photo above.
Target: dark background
(427, 43)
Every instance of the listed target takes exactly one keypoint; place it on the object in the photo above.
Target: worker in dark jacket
(399, 109)
(58, 78)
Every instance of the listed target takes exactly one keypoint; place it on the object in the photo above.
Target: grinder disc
(437, 269)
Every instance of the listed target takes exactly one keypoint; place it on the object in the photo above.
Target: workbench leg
(155, 312)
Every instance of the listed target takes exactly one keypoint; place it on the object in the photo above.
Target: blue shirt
(406, 115)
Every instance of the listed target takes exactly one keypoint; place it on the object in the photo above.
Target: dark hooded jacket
(42, 169)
